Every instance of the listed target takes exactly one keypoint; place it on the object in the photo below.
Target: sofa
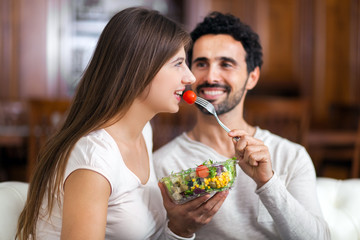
(339, 200)
(340, 204)
(12, 200)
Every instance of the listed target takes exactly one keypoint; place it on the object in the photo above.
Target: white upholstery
(340, 204)
(339, 200)
(12, 200)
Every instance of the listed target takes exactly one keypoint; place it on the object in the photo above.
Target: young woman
(95, 177)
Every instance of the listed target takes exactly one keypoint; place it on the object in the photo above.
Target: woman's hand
(254, 157)
(185, 219)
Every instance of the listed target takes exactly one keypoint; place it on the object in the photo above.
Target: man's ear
(253, 78)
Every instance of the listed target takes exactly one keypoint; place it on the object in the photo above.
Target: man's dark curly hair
(218, 23)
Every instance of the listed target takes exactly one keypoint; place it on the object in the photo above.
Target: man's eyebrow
(228, 59)
(200, 59)
(225, 59)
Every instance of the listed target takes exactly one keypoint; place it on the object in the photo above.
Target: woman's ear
(253, 78)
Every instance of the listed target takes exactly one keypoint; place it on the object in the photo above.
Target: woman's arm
(86, 195)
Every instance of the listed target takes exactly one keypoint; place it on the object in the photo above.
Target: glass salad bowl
(208, 177)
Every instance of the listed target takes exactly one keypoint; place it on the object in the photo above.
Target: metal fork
(211, 109)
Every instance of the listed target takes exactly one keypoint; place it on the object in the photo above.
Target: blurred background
(309, 90)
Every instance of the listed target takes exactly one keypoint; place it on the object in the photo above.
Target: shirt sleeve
(292, 219)
(95, 154)
(169, 235)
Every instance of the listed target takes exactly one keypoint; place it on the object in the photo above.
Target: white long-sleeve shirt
(286, 207)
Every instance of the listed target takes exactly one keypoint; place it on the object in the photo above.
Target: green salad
(205, 178)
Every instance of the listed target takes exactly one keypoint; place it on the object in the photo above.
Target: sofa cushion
(340, 204)
(339, 200)
(12, 201)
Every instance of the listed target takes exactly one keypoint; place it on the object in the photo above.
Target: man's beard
(228, 104)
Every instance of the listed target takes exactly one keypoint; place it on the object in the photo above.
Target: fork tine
(206, 106)
(211, 109)
(200, 101)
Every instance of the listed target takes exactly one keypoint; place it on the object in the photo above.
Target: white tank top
(135, 211)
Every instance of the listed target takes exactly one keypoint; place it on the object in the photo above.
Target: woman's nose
(189, 77)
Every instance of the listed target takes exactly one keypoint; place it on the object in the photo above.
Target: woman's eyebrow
(178, 59)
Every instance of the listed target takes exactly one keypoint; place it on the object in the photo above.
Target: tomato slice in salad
(202, 171)
(189, 96)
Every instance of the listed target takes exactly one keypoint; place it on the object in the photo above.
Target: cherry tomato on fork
(189, 96)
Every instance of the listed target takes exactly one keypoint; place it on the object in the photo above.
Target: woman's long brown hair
(132, 48)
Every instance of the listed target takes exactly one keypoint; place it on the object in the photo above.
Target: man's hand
(254, 157)
(185, 219)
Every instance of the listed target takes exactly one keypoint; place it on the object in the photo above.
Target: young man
(274, 195)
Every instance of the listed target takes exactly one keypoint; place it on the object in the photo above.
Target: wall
(311, 48)
(23, 49)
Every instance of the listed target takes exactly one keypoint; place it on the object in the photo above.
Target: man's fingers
(197, 202)
(213, 205)
(237, 133)
(205, 212)
(255, 155)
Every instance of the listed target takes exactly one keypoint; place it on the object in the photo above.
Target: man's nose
(212, 75)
